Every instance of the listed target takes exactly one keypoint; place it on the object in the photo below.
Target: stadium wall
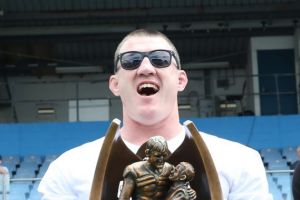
(55, 138)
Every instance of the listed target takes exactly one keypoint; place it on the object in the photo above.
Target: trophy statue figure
(152, 177)
(149, 178)
(181, 175)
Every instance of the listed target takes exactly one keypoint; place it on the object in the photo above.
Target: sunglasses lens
(160, 58)
(131, 60)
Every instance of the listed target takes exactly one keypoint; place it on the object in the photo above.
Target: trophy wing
(214, 185)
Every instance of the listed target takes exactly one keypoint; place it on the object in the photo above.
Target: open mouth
(160, 165)
(147, 89)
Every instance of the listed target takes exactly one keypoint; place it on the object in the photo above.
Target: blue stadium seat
(288, 150)
(34, 194)
(270, 155)
(14, 159)
(43, 169)
(279, 164)
(50, 158)
(289, 153)
(32, 159)
(45, 165)
(19, 190)
(11, 167)
(284, 183)
(16, 197)
(277, 195)
(28, 165)
(270, 152)
(26, 170)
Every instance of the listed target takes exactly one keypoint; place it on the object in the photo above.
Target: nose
(161, 158)
(146, 68)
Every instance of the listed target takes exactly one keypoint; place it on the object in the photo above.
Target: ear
(114, 84)
(182, 80)
(182, 177)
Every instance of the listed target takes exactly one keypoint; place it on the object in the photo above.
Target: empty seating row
(22, 190)
(25, 174)
(34, 167)
(27, 166)
(279, 159)
(37, 159)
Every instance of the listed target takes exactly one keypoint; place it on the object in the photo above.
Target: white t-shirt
(240, 170)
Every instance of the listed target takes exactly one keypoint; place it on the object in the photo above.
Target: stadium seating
(274, 188)
(279, 175)
(26, 172)
(289, 153)
(19, 190)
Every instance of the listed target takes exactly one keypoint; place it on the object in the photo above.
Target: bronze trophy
(114, 157)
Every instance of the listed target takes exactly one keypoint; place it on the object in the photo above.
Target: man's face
(157, 159)
(176, 173)
(148, 94)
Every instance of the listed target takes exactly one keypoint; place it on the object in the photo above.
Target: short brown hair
(146, 32)
(157, 143)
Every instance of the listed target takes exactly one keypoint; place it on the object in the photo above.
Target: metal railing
(209, 96)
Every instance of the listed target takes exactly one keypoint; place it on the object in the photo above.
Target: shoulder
(85, 152)
(136, 165)
(74, 167)
(240, 168)
(220, 146)
(133, 168)
(233, 157)
(70, 162)
(84, 148)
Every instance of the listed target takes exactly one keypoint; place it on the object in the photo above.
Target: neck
(178, 183)
(138, 133)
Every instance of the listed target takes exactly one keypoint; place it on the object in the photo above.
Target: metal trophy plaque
(116, 161)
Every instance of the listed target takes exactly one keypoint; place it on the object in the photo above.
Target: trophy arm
(127, 189)
(97, 185)
(211, 172)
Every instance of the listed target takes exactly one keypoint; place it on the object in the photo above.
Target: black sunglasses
(132, 59)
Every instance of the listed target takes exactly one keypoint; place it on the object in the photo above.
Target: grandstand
(26, 171)
(242, 59)
(28, 161)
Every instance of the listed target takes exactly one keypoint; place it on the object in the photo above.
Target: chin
(150, 119)
(149, 114)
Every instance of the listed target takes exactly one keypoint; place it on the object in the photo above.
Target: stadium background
(242, 59)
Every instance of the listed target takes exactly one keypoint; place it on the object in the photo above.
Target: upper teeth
(148, 85)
